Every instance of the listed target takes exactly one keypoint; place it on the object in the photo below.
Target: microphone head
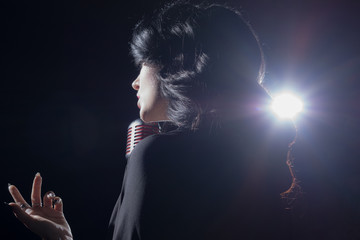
(137, 131)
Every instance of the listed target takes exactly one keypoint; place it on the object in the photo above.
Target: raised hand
(45, 219)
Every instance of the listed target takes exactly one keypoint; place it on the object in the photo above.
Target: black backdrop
(66, 101)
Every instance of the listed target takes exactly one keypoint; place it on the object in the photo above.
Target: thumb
(21, 214)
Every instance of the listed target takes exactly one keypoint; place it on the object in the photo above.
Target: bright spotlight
(286, 105)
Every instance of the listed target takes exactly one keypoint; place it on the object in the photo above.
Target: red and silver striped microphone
(137, 131)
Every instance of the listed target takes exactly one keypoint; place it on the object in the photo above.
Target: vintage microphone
(137, 131)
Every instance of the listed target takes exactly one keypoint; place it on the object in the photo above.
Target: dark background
(66, 102)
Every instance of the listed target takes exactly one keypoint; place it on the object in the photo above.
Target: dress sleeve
(143, 209)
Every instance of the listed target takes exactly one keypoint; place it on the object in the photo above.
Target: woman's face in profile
(153, 107)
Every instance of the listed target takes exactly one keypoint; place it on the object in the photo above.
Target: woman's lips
(138, 104)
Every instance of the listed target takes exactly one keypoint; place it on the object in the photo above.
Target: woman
(219, 175)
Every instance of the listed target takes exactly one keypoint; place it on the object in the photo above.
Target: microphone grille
(137, 131)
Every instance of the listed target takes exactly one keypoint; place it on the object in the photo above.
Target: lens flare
(286, 105)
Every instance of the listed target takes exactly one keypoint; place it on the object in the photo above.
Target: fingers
(16, 195)
(48, 199)
(58, 204)
(36, 191)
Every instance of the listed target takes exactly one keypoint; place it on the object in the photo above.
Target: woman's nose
(135, 84)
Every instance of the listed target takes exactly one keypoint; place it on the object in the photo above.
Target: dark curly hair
(202, 52)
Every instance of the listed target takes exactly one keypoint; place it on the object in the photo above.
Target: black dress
(215, 183)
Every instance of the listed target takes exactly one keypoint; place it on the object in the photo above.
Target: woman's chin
(150, 119)
(146, 118)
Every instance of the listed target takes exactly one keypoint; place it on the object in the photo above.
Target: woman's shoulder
(155, 147)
